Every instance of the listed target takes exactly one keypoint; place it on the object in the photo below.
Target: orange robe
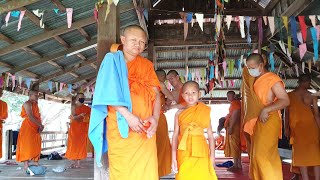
(193, 156)
(265, 161)
(3, 116)
(220, 143)
(78, 135)
(163, 144)
(29, 139)
(135, 157)
(232, 145)
(304, 134)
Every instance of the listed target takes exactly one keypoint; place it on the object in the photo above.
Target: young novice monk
(191, 157)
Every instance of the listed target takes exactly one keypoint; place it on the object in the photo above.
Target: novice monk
(3, 117)
(163, 141)
(265, 129)
(128, 97)
(232, 125)
(78, 132)
(191, 157)
(220, 139)
(303, 128)
(29, 139)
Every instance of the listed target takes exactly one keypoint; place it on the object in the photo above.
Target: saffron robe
(29, 139)
(3, 116)
(163, 144)
(78, 135)
(304, 133)
(233, 144)
(193, 155)
(265, 161)
(135, 157)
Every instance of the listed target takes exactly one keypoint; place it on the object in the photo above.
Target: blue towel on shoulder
(112, 88)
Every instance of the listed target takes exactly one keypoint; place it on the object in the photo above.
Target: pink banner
(302, 50)
(20, 19)
(69, 16)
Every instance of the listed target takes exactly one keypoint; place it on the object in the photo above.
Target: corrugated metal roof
(47, 47)
(43, 69)
(18, 58)
(73, 38)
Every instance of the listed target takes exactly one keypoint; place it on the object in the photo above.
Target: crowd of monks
(140, 148)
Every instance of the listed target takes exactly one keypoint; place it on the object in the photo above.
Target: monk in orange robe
(192, 158)
(232, 126)
(163, 141)
(78, 132)
(265, 129)
(220, 143)
(174, 79)
(135, 157)
(3, 117)
(302, 125)
(29, 139)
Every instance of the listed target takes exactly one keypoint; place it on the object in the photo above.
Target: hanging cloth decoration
(13, 79)
(232, 62)
(200, 19)
(28, 82)
(61, 86)
(57, 11)
(7, 18)
(271, 24)
(315, 43)
(108, 9)
(279, 25)
(303, 66)
(260, 30)
(224, 66)
(7, 78)
(95, 14)
(300, 39)
(297, 69)
(193, 75)
(57, 86)
(15, 14)
(69, 16)
(309, 65)
(116, 2)
(189, 76)
(302, 50)
(211, 72)
(229, 66)
(285, 23)
(216, 72)
(218, 25)
(228, 19)
(185, 24)
(248, 19)
(289, 56)
(271, 59)
(20, 19)
(318, 32)
(243, 35)
(40, 14)
(313, 20)
(70, 88)
(265, 19)
(293, 24)
(211, 56)
(20, 81)
(50, 86)
(303, 27)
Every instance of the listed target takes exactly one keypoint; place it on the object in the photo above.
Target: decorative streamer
(216, 72)
(279, 25)
(265, 19)
(69, 16)
(297, 70)
(260, 30)
(232, 62)
(224, 66)
(302, 50)
(303, 27)
(57, 86)
(28, 82)
(218, 25)
(289, 56)
(315, 43)
(61, 86)
(200, 19)
(248, 19)
(193, 76)
(293, 24)
(271, 24)
(300, 39)
(313, 20)
(189, 76)
(309, 65)
(95, 13)
(211, 72)
(40, 14)
(318, 32)
(229, 19)
(283, 47)
(50, 86)
(20, 19)
(20, 81)
(70, 88)
(271, 59)
(241, 60)
(57, 11)
(7, 18)
(243, 35)
(116, 2)
(303, 66)
(13, 78)
(7, 77)
(285, 23)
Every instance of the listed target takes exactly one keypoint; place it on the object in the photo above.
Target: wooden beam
(81, 78)
(52, 57)
(46, 35)
(84, 34)
(177, 42)
(256, 4)
(12, 5)
(6, 39)
(55, 64)
(26, 73)
(126, 7)
(59, 5)
(270, 6)
(66, 71)
(74, 74)
(93, 66)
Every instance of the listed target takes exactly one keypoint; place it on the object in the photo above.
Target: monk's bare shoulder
(27, 104)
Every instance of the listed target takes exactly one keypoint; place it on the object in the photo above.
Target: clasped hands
(138, 125)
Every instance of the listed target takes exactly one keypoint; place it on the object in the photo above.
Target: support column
(108, 34)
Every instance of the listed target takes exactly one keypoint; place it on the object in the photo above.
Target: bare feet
(234, 168)
(25, 165)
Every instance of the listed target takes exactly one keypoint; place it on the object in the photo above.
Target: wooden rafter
(270, 6)
(53, 57)
(69, 70)
(85, 77)
(46, 35)
(25, 72)
(11, 5)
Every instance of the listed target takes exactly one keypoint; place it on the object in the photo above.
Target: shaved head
(231, 93)
(173, 72)
(33, 95)
(33, 92)
(190, 84)
(128, 29)
(161, 74)
(255, 57)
